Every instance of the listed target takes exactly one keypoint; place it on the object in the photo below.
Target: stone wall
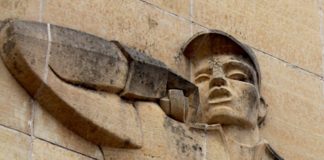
(287, 36)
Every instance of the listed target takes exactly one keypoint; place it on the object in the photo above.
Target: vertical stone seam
(32, 137)
(321, 38)
(49, 46)
(191, 16)
(34, 103)
(41, 9)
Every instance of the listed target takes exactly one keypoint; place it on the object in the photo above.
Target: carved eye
(202, 77)
(238, 76)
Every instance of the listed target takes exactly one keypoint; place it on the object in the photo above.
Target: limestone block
(23, 50)
(14, 145)
(44, 150)
(106, 70)
(277, 34)
(22, 9)
(189, 89)
(293, 142)
(175, 105)
(156, 32)
(48, 128)
(147, 77)
(287, 90)
(180, 7)
(15, 106)
(101, 118)
(164, 138)
(87, 60)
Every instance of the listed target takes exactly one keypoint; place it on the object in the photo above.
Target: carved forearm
(79, 76)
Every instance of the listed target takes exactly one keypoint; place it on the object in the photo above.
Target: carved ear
(262, 111)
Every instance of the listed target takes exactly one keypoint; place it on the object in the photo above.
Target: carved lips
(219, 95)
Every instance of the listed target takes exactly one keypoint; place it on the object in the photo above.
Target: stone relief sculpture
(135, 106)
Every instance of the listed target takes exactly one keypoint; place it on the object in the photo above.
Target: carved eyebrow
(207, 70)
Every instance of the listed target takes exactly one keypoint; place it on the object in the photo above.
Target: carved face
(228, 90)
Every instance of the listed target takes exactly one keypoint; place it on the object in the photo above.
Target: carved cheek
(203, 93)
(246, 95)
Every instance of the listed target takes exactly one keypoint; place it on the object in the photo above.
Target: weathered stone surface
(105, 69)
(171, 140)
(176, 81)
(147, 77)
(180, 7)
(15, 106)
(22, 9)
(190, 90)
(23, 50)
(295, 109)
(101, 118)
(178, 104)
(48, 128)
(156, 32)
(27, 28)
(85, 41)
(14, 145)
(277, 34)
(44, 150)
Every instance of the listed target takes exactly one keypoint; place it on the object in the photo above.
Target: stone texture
(164, 30)
(287, 24)
(22, 9)
(167, 139)
(295, 100)
(178, 104)
(293, 142)
(147, 77)
(24, 51)
(44, 150)
(103, 65)
(13, 145)
(100, 71)
(176, 81)
(46, 127)
(164, 138)
(87, 113)
(15, 106)
(180, 7)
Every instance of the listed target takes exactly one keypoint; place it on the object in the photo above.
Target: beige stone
(48, 128)
(88, 113)
(178, 104)
(293, 142)
(14, 145)
(164, 30)
(98, 71)
(23, 9)
(15, 104)
(180, 7)
(246, 20)
(43, 150)
(284, 88)
(164, 138)
(23, 50)
(147, 77)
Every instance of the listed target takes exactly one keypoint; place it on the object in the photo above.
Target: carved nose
(217, 82)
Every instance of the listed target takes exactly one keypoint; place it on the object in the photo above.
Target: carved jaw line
(226, 116)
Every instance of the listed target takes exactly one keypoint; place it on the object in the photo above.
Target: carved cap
(216, 42)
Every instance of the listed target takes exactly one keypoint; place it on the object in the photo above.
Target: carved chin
(227, 116)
